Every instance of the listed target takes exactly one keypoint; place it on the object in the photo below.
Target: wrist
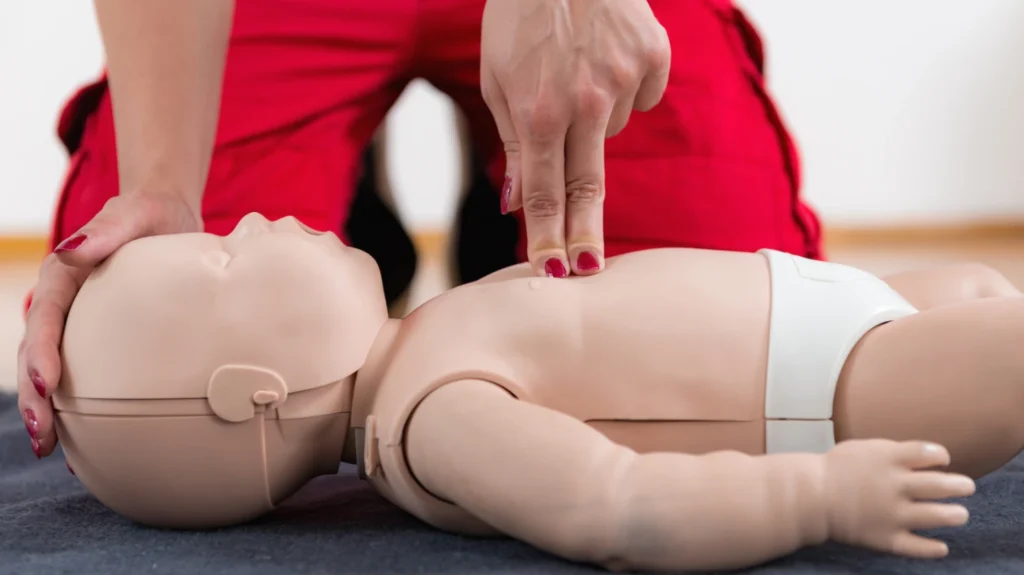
(182, 204)
(166, 189)
(814, 503)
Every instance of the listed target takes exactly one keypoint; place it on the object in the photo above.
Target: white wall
(46, 50)
(904, 111)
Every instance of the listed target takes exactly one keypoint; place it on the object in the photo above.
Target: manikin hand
(560, 76)
(123, 219)
(879, 491)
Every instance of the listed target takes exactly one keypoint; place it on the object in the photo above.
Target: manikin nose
(252, 224)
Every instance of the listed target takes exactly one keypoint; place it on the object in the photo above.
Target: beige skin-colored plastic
(615, 419)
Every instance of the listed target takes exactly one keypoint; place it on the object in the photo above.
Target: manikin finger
(920, 516)
(923, 455)
(912, 545)
(584, 195)
(934, 485)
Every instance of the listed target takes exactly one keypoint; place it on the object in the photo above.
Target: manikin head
(208, 378)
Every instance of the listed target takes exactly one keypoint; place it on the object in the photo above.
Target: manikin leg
(943, 285)
(953, 374)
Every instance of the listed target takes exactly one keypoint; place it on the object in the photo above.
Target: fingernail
(71, 244)
(69, 467)
(31, 423)
(38, 383)
(35, 448)
(555, 268)
(587, 262)
(506, 194)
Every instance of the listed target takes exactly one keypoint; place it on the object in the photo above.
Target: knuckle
(51, 263)
(542, 205)
(986, 280)
(623, 76)
(591, 102)
(584, 191)
(978, 269)
(31, 357)
(541, 119)
(113, 205)
(658, 53)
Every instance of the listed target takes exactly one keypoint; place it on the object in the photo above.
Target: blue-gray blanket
(49, 524)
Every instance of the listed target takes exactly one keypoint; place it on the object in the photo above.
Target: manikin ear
(235, 392)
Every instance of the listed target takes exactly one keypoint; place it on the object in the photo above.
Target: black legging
(484, 240)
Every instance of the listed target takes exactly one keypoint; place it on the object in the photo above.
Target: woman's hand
(123, 219)
(165, 62)
(560, 76)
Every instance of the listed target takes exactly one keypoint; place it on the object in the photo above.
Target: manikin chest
(594, 351)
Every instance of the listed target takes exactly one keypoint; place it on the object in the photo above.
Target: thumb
(123, 219)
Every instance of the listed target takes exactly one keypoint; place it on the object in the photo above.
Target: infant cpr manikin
(683, 409)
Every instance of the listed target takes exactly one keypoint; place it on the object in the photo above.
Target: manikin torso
(640, 365)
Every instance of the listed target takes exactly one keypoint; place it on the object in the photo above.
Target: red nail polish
(555, 268)
(31, 423)
(35, 448)
(69, 467)
(38, 383)
(506, 194)
(71, 244)
(587, 262)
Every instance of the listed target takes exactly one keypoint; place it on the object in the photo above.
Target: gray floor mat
(49, 524)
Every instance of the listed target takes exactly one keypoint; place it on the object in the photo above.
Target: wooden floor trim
(434, 243)
(897, 236)
(23, 248)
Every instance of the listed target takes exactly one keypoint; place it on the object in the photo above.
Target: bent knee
(982, 281)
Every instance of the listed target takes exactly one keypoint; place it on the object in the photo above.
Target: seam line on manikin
(263, 457)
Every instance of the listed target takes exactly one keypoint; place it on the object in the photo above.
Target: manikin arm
(166, 64)
(552, 481)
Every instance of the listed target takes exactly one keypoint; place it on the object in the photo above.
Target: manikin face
(198, 330)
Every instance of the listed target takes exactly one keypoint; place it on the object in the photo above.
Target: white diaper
(820, 311)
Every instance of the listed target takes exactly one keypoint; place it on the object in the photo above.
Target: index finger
(542, 160)
(584, 193)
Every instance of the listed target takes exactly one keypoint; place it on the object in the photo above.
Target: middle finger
(543, 191)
